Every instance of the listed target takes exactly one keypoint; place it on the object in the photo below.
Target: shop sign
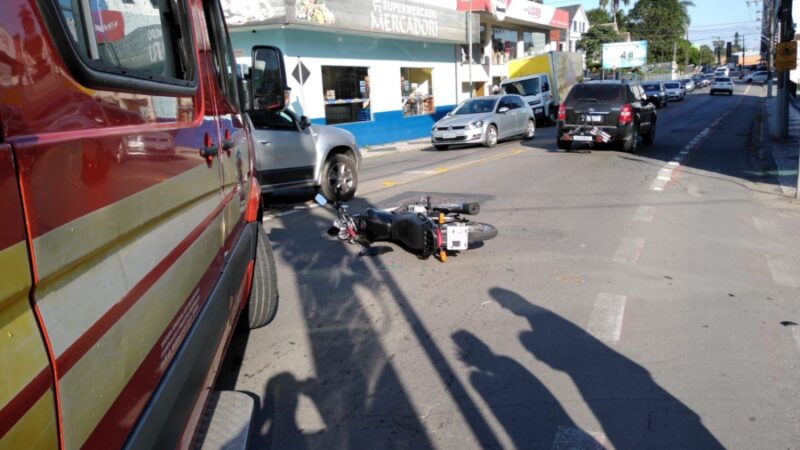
(109, 26)
(523, 10)
(624, 55)
(399, 17)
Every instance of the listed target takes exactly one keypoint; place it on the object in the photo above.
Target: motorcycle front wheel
(479, 232)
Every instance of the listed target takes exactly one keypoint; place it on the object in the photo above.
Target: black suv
(606, 111)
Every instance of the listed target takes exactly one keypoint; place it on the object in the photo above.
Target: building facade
(578, 24)
(387, 70)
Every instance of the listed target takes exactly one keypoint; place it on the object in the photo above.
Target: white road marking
(783, 272)
(629, 250)
(605, 322)
(796, 334)
(644, 213)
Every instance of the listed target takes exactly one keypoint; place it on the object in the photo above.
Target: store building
(509, 29)
(383, 69)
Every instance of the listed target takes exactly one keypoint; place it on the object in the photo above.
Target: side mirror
(304, 122)
(502, 110)
(269, 91)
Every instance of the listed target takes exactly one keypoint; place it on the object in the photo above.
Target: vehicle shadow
(356, 397)
(530, 414)
(633, 410)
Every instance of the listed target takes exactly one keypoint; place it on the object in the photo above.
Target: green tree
(598, 16)
(613, 6)
(663, 23)
(707, 56)
(592, 43)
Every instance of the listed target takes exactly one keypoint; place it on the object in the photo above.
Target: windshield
(523, 87)
(672, 85)
(476, 106)
(651, 87)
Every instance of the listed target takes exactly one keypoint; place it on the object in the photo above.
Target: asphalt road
(629, 302)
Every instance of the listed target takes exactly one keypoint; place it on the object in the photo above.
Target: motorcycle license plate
(457, 237)
(578, 137)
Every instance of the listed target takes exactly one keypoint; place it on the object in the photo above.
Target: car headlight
(474, 125)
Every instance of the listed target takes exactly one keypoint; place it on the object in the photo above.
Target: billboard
(624, 55)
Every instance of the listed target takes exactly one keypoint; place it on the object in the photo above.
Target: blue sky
(710, 18)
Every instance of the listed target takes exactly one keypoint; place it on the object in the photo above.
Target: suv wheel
(564, 145)
(651, 134)
(551, 115)
(339, 178)
(632, 144)
(263, 303)
(491, 136)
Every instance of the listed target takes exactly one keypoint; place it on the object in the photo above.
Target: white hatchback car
(757, 77)
(721, 84)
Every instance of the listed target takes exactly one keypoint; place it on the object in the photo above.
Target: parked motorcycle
(422, 227)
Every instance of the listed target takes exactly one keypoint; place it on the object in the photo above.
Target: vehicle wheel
(339, 178)
(730, 93)
(564, 145)
(491, 136)
(551, 116)
(749, 81)
(650, 136)
(480, 232)
(666, 103)
(263, 302)
(632, 144)
(530, 130)
(441, 147)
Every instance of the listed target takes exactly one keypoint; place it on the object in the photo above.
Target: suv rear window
(651, 87)
(605, 93)
(722, 80)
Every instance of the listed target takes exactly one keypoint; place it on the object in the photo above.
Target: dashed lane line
(629, 250)
(605, 323)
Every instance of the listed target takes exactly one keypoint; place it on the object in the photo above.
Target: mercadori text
(400, 18)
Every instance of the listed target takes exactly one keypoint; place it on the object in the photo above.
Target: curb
(783, 154)
(371, 151)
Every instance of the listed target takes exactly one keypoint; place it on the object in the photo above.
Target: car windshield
(523, 87)
(651, 87)
(722, 80)
(597, 92)
(477, 106)
(672, 85)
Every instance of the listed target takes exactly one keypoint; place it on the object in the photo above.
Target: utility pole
(770, 48)
(469, 43)
(787, 34)
(675, 53)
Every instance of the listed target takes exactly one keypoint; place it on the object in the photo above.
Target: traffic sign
(786, 56)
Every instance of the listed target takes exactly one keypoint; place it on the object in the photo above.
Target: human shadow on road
(531, 416)
(634, 411)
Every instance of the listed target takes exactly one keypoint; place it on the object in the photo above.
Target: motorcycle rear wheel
(479, 232)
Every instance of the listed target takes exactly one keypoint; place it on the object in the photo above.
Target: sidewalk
(370, 151)
(785, 154)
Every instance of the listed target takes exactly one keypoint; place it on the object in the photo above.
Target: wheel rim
(530, 130)
(340, 178)
(492, 135)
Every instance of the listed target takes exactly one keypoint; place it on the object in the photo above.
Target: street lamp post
(469, 43)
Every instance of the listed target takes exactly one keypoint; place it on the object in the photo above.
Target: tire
(564, 145)
(479, 232)
(551, 115)
(490, 140)
(441, 147)
(650, 136)
(632, 144)
(530, 130)
(339, 178)
(263, 302)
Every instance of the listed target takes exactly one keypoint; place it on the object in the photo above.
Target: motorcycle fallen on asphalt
(423, 228)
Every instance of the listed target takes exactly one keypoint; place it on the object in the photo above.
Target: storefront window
(346, 91)
(504, 43)
(534, 43)
(416, 86)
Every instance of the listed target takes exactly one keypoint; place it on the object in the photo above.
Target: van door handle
(265, 142)
(209, 150)
(228, 145)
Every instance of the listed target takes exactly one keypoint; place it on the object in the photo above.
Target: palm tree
(685, 4)
(614, 6)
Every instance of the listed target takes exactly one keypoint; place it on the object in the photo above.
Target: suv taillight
(562, 112)
(625, 114)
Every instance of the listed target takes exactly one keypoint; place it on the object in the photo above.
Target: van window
(224, 61)
(523, 87)
(135, 38)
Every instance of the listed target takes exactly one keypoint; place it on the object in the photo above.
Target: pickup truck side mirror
(304, 122)
(268, 88)
(502, 110)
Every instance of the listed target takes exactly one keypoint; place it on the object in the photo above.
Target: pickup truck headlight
(474, 125)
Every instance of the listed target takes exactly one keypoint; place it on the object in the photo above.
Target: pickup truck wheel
(339, 178)
(263, 303)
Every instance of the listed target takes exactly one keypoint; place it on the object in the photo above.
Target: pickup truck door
(286, 154)
(122, 188)
(27, 392)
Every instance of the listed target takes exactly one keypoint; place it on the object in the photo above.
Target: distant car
(688, 84)
(656, 93)
(485, 120)
(722, 84)
(611, 111)
(706, 81)
(722, 72)
(292, 153)
(757, 77)
(675, 91)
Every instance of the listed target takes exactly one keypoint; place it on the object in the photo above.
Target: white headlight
(474, 125)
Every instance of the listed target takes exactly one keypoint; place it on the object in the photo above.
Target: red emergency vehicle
(130, 229)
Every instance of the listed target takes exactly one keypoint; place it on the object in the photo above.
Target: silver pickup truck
(291, 153)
